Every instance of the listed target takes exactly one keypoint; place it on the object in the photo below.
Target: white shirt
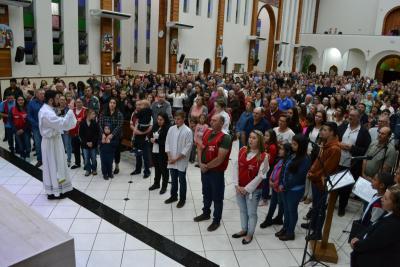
(177, 100)
(350, 138)
(262, 173)
(227, 122)
(313, 137)
(284, 137)
(179, 142)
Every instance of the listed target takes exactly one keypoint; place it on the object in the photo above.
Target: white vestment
(55, 170)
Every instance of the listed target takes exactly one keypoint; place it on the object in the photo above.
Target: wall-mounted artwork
(6, 36)
(107, 43)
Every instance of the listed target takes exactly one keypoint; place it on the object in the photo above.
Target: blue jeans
(276, 200)
(67, 146)
(9, 133)
(89, 157)
(248, 210)
(38, 143)
(213, 189)
(143, 152)
(107, 152)
(23, 144)
(318, 210)
(291, 200)
(175, 175)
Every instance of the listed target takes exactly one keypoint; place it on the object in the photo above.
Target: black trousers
(160, 162)
(117, 155)
(344, 192)
(76, 148)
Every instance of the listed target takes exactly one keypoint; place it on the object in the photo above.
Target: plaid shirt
(114, 121)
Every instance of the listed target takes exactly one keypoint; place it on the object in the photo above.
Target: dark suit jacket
(381, 247)
(359, 149)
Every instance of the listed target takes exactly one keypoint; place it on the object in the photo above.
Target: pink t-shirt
(198, 133)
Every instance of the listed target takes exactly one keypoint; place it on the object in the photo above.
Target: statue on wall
(6, 36)
(107, 43)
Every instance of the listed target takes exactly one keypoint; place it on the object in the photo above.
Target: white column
(44, 35)
(69, 13)
(127, 35)
(93, 38)
(312, 15)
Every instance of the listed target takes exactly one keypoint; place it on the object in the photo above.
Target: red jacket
(19, 118)
(79, 117)
(248, 169)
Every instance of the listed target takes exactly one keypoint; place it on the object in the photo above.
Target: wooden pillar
(220, 33)
(5, 53)
(297, 38)
(316, 17)
(253, 31)
(278, 32)
(106, 27)
(173, 34)
(162, 41)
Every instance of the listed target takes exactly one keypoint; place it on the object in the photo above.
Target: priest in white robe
(56, 179)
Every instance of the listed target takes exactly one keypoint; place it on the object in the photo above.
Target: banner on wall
(107, 43)
(6, 36)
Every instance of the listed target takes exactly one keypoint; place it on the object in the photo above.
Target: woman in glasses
(249, 170)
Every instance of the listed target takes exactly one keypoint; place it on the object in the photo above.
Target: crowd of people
(294, 130)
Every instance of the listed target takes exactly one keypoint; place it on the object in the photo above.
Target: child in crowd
(374, 210)
(107, 148)
(89, 133)
(199, 130)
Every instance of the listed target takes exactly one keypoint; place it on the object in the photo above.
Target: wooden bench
(28, 239)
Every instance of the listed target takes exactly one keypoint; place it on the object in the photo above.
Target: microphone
(362, 157)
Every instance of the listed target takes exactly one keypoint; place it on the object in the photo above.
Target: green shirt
(226, 143)
(374, 165)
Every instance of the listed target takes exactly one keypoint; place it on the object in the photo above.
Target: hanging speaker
(19, 54)
(280, 63)
(256, 62)
(117, 57)
(181, 58)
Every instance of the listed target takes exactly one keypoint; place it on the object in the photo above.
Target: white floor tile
(217, 242)
(270, 242)
(105, 259)
(43, 210)
(83, 241)
(280, 258)
(13, 188)
(237, 244)
(85, 214)
(132, 243)
(63, 224)
(109, 242)
(253, 258)
(31, 189)
(115, 204)
(139, 258)
(164, 261)
(28, 199)
(138, 194)
(137, 204)
(193, 243)
(81, 226)
(137, 215)
(64, 212)
(106, 227)
(81, 258)
(163, 228)
(160, 215)
(21, 180)
(186, 228)
(222, 258)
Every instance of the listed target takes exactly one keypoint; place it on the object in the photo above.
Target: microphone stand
(320, 208)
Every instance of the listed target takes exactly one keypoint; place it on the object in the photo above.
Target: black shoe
(51, 197)
(111, 176)
(4, 139)
(105, 177)
(305, 226)
(64, 195)
(38, 164)
(180, 204)
(214, 226)
(314, 236)
(286, 237)
(75, 167)
(146, 175)
(280, 232)
(170, 200)
(116, 170)
(266, 224)
(154, 187)
(163, 190)
(277, 221)
(202, 217)
(135, 172)
(245, 242)
(237, 235)
(341, 212)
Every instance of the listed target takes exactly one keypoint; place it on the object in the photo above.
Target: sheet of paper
(363, 189)
(339, 180)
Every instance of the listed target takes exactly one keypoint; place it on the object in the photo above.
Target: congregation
(294, 130)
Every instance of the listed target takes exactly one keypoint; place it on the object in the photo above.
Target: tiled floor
(98, 243)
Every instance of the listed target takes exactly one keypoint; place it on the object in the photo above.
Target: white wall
(198, 42)
(371, 65)
(127, 35)
(384, 7)
(355, 58)
(348, 16)
(264, 33)
(307, 17)
(332, 56)
(45, 66)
